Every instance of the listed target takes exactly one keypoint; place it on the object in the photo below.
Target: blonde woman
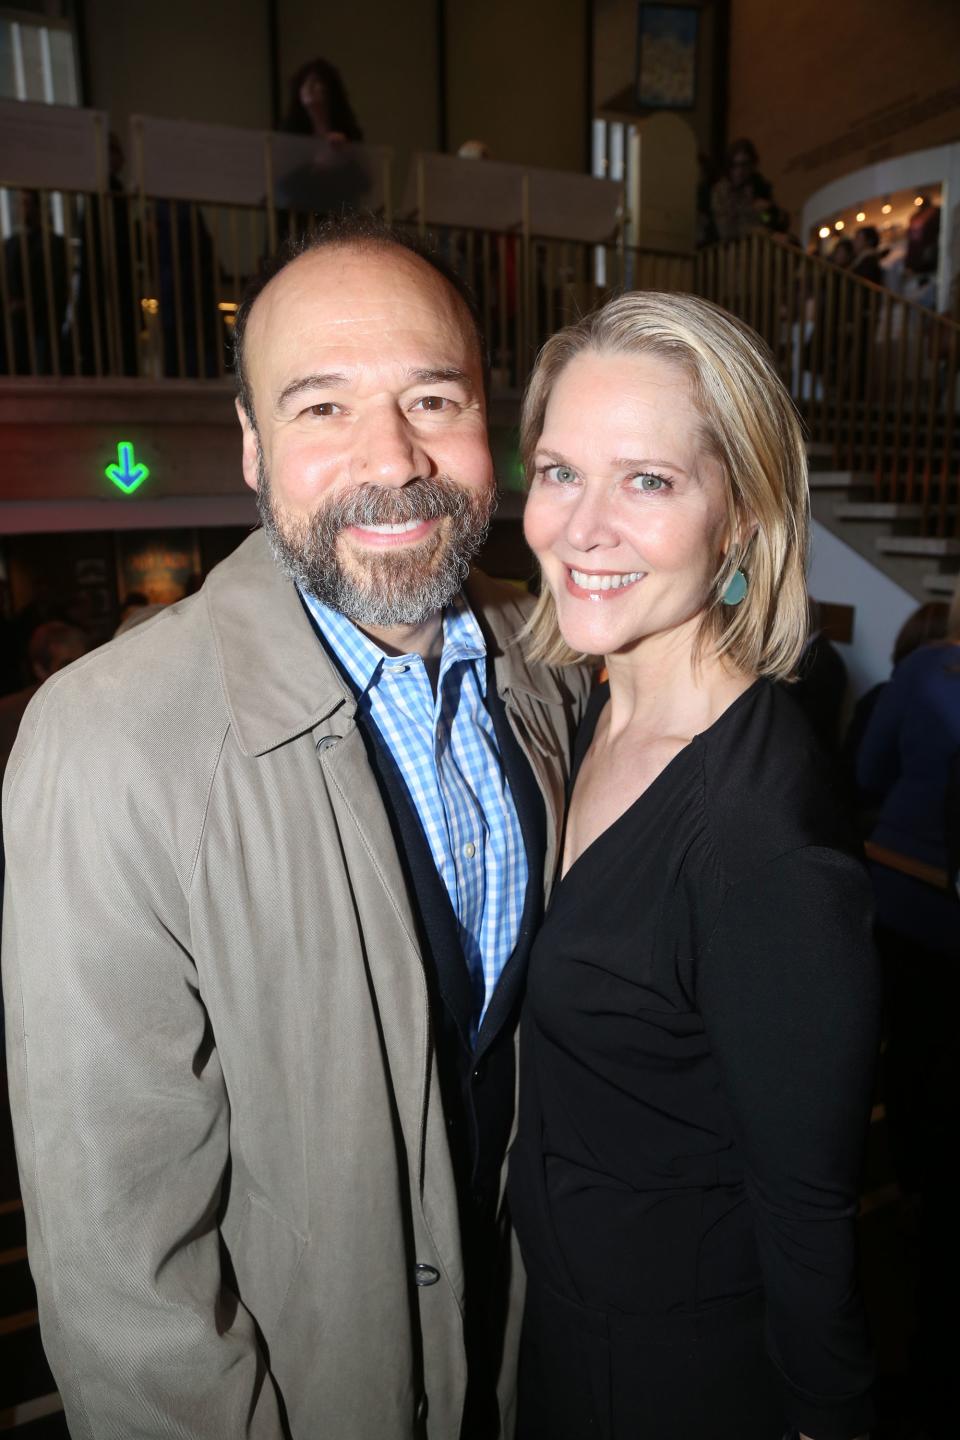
(702, 1012)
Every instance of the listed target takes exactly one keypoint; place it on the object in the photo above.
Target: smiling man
(275, 861)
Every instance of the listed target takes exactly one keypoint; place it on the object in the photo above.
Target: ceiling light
(838, 225)
(824, 231)
(885, 209)
(861, 215)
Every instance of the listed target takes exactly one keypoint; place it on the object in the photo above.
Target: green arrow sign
(129, 473)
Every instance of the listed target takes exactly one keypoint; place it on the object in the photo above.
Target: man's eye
(323, 407)
(432, 402)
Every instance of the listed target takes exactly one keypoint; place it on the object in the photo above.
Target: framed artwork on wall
(667, 56)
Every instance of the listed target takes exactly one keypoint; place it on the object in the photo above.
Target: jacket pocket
(266, 1256)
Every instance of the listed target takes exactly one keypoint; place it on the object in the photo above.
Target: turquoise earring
(736, 590)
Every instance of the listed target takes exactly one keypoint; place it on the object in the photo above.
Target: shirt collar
(362, 660)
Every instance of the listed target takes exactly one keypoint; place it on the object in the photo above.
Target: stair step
(838, 479)
(931, 545)
(877, 510)
(940, 584)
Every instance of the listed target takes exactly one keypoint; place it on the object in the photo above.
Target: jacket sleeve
(120, 1112)
(789, 993)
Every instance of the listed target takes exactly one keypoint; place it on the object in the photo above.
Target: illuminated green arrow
(129, 473)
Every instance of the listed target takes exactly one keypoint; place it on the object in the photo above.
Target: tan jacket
(225, 1099)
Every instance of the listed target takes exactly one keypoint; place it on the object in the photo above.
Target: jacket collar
(277, 679)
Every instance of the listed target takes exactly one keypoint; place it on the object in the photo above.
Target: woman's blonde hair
(750, 426)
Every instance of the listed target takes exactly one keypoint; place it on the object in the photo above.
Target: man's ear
(251, 447)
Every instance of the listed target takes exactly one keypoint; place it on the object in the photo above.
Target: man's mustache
(427, 499)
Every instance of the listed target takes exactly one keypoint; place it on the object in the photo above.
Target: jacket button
(325, 742)
(425, 1274)
(480, 1071)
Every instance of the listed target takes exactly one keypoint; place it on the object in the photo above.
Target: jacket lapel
(532, 816)
(437, 916)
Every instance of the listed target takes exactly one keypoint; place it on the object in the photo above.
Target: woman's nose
(590, 525)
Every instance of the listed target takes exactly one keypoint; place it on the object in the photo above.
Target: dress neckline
(585, 739)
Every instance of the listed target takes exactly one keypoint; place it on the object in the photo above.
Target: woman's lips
(599, 585)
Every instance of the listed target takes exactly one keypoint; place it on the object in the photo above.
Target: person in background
(319, 104)
(821, 684)
(105, 265)
(842, 253)
(701, 1023)
(742, 199)
(336, 176)
(906, 759)
(133, 600)
(867, 254)
(52, 645)
(38, 301)
(927, 623)
(923, 241)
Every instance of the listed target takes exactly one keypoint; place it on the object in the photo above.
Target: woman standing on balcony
(702, 1013)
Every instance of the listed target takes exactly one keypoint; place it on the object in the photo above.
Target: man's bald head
(354, 232)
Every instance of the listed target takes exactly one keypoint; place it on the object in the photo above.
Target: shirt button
(469, 849)
(426, 1274)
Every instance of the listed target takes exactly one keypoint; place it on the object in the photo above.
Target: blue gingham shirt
(445, 749)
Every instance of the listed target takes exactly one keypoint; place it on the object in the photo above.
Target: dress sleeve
(788, 987)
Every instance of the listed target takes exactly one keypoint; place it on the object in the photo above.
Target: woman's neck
(663, 687)
(317, 115)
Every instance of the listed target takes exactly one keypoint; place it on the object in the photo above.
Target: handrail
(875, 375)
(908, 865)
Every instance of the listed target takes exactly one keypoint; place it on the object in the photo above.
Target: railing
(122, 285)
(874, 374)
(130, 286)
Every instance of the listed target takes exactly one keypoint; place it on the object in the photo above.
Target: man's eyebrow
(309, 382)
(446, 375)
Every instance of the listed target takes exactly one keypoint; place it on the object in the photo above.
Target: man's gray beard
(384, 587)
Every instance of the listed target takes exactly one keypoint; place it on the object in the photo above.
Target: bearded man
(275, 860)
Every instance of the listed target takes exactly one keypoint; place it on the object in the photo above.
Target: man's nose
(387, 451)
(590, 525)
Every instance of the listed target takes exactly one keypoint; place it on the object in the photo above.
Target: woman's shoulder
(767, 786)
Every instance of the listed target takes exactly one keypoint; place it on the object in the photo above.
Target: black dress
(697, 1060)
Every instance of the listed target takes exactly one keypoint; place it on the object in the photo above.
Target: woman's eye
(562, 474)
(651, 483)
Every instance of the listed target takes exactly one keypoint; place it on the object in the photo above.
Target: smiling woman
(702, 1001)
(739, 432)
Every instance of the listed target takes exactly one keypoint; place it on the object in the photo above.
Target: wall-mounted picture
(667, 56)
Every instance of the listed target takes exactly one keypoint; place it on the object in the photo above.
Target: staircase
(877, 380)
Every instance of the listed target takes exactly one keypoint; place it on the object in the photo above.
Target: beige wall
(516, 77)
(823, 91)
(515, 68)
(205, 60)
(615, 63)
